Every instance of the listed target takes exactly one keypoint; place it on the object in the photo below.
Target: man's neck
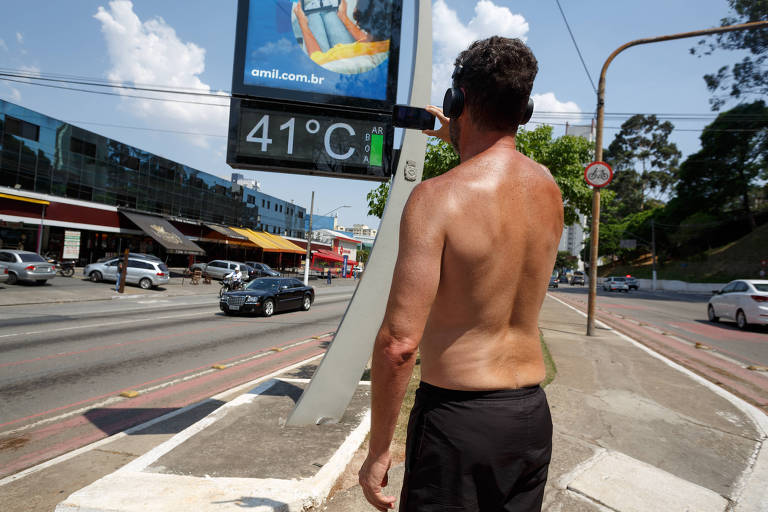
(474, 141)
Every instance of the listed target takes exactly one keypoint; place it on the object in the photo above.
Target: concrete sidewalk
(633, 433)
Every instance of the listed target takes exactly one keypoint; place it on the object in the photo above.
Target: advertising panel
(71, 245)
(337, 52)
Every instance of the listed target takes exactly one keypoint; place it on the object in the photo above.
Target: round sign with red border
(598, 174)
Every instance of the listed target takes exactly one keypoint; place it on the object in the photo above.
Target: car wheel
(95, 276)
(711, 314)
(307, 303)
(741, 320)
(145, 283)
(268, 307)
(12, 278)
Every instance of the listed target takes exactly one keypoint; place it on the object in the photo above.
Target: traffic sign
(598, 174)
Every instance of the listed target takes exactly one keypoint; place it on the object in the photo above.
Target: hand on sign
(442, 133)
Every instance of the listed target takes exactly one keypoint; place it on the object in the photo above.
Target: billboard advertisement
(337, 52)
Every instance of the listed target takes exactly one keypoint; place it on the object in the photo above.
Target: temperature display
(341, 143)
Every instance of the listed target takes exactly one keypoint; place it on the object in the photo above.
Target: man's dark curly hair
(497, 76)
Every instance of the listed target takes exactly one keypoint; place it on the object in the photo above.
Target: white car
(618, 284)
(745, 301)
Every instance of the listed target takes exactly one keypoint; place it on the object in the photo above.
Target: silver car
(219, 269)
(3, 273)
(26, 266)
(144, 272)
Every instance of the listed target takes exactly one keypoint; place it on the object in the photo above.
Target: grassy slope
(739, 259)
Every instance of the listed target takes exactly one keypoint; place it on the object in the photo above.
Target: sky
(190, 45)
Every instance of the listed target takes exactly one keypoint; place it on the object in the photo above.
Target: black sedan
(266, 295)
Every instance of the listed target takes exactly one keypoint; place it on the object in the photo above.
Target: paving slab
(625, 484)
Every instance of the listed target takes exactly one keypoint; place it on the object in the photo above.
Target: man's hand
(442, 133)
(372, 477)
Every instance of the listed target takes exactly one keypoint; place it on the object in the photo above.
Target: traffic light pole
(599, 145)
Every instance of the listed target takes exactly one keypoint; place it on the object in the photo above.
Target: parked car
(578, 278)
(632, 283)
(553, 282)
(618, 284)
(219, 269)
(563, 279)
(3, 273)
(262, 269)
(26, 266)
(147, 273)
(266, 295)
(745, 301)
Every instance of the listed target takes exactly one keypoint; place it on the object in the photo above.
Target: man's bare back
(501, 214)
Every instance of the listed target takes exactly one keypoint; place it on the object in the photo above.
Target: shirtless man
(477, 247)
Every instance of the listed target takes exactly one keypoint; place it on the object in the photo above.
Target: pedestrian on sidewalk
(120, 269)
(329, 277)
(480, 431)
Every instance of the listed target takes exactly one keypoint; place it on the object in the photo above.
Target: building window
(262, 203)
(301, 215)
(22, 129)
(82, 147)
(251, 200)
(281, 208)
(268, 205)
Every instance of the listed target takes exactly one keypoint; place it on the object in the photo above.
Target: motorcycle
(65, 267)
(228, 285)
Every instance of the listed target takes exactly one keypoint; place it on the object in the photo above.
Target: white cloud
(15, 94)
(150, 53)
(451, 36)
(30, 70)
(3, 46)
(547, 107)
(19, 38)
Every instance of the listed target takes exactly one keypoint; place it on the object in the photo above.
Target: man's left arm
(414, 286)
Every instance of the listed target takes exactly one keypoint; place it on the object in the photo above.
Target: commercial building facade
(57, 178)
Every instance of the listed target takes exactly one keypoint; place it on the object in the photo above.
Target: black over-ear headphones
(453, 101)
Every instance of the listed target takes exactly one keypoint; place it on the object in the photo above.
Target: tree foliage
(566, 261)
(723, 175)
(746, 78)
(644, 161)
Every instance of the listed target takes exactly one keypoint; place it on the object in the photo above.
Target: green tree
(644, 161)
(362, 255)
(565, 261)
(723, 176)
(746, 78)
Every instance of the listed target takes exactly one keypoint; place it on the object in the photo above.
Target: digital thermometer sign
(308, 140)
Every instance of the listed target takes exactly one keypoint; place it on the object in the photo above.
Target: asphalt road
(63, 366)
(682, 314)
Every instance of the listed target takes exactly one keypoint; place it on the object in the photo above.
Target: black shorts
(477, 450)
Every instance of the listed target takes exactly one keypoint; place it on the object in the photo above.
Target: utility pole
(121, 277)
(309, 241)
(653, 252)
(599, 144)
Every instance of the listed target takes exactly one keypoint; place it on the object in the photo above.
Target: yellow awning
(269, 242)
(25, 199)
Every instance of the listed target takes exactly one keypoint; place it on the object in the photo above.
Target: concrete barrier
(679, 286)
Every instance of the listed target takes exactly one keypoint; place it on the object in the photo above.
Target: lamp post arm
(599, 144)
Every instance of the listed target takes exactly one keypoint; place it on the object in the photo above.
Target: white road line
(137, 428)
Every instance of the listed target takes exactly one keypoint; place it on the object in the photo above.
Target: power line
(576, 46)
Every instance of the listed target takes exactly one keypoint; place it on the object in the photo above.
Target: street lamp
(337, 208)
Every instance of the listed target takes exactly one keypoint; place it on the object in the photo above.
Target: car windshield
(761, 287)
(619, 279)
(266, 267)
(163, 267)
(30, 257)
(263, 284)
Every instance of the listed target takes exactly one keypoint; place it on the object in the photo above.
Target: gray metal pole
(653, 252)
(337, 377)
(309, 240)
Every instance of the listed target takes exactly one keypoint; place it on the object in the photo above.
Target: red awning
(327, 255)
